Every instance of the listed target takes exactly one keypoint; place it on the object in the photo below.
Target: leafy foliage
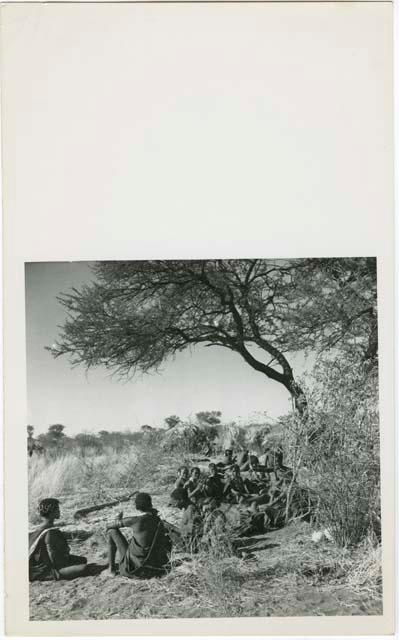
(172, 421)
(209, 417)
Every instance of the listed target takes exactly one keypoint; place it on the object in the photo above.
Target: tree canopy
(134, 315)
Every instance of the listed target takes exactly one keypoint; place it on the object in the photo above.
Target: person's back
(149, 543)
(147, 552)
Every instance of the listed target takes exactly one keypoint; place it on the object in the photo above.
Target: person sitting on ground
(195, 486)
(182, 477)
(49, 555)
(256, 479)
(228, 460)
(251, 463)
(243, 460)
(267, 460)
(281, 471)
(147, 553)
(179, 496)
(213, 483)
(235, 489)
(253, 523)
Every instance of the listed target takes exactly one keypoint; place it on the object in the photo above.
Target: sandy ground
(285, 575)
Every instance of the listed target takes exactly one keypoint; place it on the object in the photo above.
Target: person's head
(183, 473)
(228, 453)
(212, 469)
(49, 509)
(195, 473)
(143, 502)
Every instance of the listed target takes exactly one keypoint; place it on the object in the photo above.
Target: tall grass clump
(339, 447)
(52, 477)
(95, 478)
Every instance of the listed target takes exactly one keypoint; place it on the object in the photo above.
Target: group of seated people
(258, 489)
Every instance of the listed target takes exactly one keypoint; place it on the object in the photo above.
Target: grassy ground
(283, 574)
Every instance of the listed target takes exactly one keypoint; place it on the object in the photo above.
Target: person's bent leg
(116, 543)
(75, 560)
(72, 571)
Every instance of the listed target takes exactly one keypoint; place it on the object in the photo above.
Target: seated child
(195, 486)
(147, 553)
(213, 483)
(235, 489)
(179, 495)
(49, 556)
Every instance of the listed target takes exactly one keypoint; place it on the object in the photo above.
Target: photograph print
(203, 438)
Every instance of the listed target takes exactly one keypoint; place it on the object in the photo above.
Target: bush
(186, 437)
(339, 445)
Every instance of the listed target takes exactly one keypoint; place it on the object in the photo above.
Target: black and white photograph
(203, 438)
(198, 285)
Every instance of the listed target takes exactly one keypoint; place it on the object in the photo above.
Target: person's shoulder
(53, 534)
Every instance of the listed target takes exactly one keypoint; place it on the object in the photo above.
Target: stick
(97, 507)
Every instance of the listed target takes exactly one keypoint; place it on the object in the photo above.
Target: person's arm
(167, 539)
(226, 487)
(122, 522)
(194, 491)
(50, 540)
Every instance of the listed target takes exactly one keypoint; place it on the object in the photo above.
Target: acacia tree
(135, 315)
(210, 418)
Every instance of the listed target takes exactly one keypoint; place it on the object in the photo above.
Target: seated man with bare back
(146, 554)
(235, 488)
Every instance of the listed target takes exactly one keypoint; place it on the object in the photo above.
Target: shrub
(187, 437)
(339, 445)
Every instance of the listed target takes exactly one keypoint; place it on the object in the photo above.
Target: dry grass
(290, 576)
(365, 572)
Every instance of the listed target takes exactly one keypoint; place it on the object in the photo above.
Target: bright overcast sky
(203, 379)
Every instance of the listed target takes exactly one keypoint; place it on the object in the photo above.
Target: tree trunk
(299, 398)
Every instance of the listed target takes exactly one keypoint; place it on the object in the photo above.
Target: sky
(198, 380)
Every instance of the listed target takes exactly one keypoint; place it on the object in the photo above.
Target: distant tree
(172, 421)
(87, 442)
(32, 444)
(56, 432)
(54, 438)
(137, 314)
(211, 418)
